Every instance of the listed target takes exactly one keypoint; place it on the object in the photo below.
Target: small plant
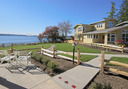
(45, 61)
(119, 42)
(53, 65)
(39, 58)
(100, 86)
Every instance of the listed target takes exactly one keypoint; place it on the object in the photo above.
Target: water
(7, 40)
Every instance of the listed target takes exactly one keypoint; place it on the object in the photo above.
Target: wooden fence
(102, 66)
(104, 46)
(54, 54)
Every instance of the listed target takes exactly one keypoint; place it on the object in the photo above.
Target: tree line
(56, 33)
(121, 15)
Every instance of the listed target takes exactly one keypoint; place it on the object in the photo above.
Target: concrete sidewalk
(80, 76)
(34, 79)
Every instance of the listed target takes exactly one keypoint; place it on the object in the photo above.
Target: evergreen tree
(123, 11)
(112, 12)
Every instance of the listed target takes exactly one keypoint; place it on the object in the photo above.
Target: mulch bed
(63, 65)
(116, 81)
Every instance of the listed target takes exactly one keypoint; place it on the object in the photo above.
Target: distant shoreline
(15, 35)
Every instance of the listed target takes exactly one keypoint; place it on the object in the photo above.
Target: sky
(32, 16)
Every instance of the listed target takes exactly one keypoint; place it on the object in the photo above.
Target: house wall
(99, 40)
(86, 40)
(101, 28)
(88, 28)
(119, 33)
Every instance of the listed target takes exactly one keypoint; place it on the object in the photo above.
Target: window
(95, 37)
(111, 37)
(125, 35)
(80, 29)
(99, 25)
(110, 24)
(89, 36)
(83, 29)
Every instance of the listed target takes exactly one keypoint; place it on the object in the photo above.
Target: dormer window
(99, 25)
(110, 24)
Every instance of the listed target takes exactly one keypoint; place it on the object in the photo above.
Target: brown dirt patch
(116, 81)
(63, 65)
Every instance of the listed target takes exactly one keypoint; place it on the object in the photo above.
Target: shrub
(119, 42)
(39, 58)
(45, 61)
(100, 86)
(3, 45)
(53, 65)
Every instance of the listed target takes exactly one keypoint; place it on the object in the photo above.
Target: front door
(102, 38)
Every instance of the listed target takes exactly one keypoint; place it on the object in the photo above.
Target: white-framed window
(80, 29)
(99, 25)
(95, 36)
(125, 35)
(111, 37)
(89, 36)
(110, 24)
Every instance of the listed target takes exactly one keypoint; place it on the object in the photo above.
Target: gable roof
(107, 30)
(103, 21)
(81, 25)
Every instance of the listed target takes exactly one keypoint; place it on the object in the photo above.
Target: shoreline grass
(28, 47)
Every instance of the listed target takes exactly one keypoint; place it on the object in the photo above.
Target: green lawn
(83, 58)
(1, 55)
(28, 47)
(67, 47)
(118, 59)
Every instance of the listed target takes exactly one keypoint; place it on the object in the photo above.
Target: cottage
(105, 31)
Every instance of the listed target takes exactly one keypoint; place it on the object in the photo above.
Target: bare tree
(40, 38)
(65, 27)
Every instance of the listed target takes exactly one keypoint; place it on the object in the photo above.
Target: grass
(1, 55)
(83, 58)
(118, 59)
(67, 47)
(28, 47)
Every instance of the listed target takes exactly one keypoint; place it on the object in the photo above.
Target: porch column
(106, 39)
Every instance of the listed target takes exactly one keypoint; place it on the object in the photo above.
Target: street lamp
(73, 44)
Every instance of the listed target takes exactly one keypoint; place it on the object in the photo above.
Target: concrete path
(80, 76)
(51, 48)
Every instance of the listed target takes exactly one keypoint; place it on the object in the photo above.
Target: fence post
(122, 48)
(41, 51)
(78, 56)
(102, 62)
(53, 52)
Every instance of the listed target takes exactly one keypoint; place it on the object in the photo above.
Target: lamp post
(73, 50)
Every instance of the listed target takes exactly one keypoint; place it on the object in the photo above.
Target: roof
(103, 21)
(81, 25)
(92, 23)
(123, 23)
(107, 30)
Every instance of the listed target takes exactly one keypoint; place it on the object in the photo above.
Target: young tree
(65, 27)
(123, 11)
(112, 12)
(40, 38)
(51, 32)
